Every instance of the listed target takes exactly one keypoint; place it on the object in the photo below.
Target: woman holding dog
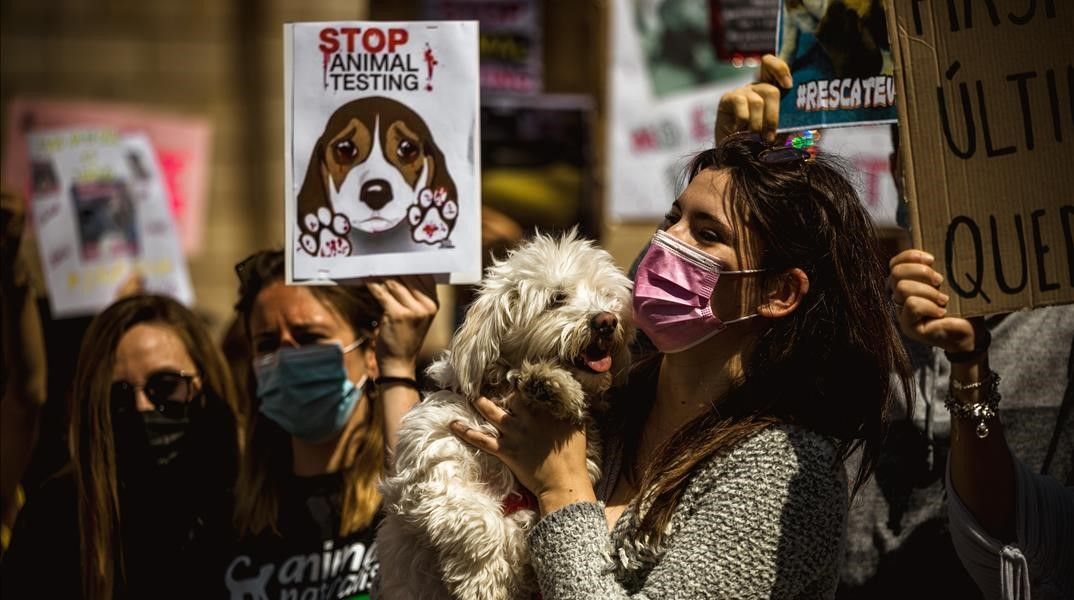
(334, 371)
(723, 474)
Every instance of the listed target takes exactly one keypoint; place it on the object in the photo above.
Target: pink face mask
(673, 294)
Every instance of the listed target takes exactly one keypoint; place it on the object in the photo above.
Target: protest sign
(742, 29)
(100, 214)
(381, 150)
(986, 116)
(661, 104)
(867, 149)
(182, 145)
(840, 59)
(510, 40)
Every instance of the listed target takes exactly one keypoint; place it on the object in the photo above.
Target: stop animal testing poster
(986, 118)
(382, 132)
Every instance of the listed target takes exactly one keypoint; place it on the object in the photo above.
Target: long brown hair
(266, 463)
(827, 367)
(90, 441)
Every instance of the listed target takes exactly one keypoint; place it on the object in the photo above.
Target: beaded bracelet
(982, 411)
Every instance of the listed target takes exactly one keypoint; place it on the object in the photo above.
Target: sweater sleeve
(1038, 563)
(766, 522)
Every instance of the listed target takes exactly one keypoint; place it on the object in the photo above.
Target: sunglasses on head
(170, 392)
(795, 152)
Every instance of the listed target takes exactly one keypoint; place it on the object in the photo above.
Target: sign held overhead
(986, 116)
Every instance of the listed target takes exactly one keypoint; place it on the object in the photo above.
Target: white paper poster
(382, 139)
(662, 101)
(100, 213)
(867, 148)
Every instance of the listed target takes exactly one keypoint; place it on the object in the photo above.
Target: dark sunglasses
(170, 392)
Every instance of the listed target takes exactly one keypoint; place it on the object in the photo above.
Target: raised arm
(409, 304)
(982, 471)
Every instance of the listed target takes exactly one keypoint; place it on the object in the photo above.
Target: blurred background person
(23, 381)
(334, 369)
(153, 454)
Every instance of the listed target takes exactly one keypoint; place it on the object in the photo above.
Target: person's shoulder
(778, 454)
(57, 494)
(797, 445)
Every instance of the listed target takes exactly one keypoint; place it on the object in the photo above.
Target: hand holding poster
(840, 59)
(381, 150)
(987, 139)
(101, 215)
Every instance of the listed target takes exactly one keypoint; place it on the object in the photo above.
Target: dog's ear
(475, 347)
(313, 194)
(440, 178)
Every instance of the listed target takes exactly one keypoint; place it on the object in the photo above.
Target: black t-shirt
(163, 542)
(309, 559)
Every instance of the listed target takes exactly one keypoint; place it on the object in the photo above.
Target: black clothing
(308, 558)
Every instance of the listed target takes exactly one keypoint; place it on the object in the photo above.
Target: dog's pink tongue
(600, 365)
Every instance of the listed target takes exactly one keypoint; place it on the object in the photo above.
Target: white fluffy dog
(551, 321)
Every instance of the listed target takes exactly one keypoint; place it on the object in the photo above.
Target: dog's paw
(325, 234)
(433, 217)
(553, 390)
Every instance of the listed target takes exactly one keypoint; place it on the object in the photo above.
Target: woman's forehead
(707, 192)
(280, 304)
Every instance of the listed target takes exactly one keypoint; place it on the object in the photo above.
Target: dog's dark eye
(346, 151)
(557, 299)
(407, 150)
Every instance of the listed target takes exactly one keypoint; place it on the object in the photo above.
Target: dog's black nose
(376, 193)
(604, 324)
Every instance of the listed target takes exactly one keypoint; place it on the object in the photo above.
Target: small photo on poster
(841, 62)
(43, 178)
(107, 223)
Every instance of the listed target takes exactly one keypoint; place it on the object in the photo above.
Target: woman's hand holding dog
(755, 107)
(547, 455)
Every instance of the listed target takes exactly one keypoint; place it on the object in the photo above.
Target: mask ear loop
(358, 342)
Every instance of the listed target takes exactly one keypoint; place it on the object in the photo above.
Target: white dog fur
(530, 329)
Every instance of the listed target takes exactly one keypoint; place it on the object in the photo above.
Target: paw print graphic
(325, 234)
(433, 217)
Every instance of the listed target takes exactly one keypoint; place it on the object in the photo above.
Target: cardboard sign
(182, 145)
(382, 132)
(661, 103)
(840, 59)
(986, 114)
(100, 213)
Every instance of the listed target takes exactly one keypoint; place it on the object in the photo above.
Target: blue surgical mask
(306, 390)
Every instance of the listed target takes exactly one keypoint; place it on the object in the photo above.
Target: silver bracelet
(958, 386)
(982, 411)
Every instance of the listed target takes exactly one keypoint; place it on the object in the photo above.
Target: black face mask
(149, 445)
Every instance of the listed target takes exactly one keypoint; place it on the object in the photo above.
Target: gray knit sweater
(768, 520)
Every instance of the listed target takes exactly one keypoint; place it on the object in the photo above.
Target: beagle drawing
(376, 182)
